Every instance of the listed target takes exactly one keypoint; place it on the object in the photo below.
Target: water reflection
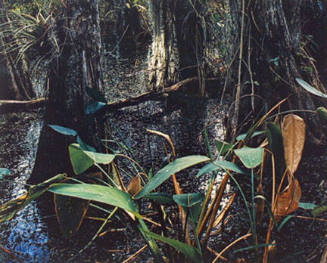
(26, 235)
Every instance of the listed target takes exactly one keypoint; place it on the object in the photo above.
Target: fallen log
(151, 95)
(7, 106)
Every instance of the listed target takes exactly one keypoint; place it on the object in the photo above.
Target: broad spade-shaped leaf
(250, 157)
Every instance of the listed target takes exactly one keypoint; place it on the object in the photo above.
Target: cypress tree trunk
(76, 69)
(164, 55)
(271, 51)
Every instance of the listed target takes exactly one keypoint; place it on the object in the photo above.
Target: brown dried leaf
(288, 201)
(293, 131)
(134, 185)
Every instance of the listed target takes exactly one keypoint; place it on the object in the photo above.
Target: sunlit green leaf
(220, 165)
(250, 157)
(101, 158)
(191, 252)
(82, 160)
(63, 130)
(168, 170)
(79, 159)
(188, 200)
(309, 88)
(99, 193)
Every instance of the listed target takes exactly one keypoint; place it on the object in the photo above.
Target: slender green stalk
(143, 228)
(107, 176)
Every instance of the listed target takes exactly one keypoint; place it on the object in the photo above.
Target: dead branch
(7, 106)
(151, 95)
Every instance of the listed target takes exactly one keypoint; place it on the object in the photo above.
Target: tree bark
(76, 69)
(164, 55)
(269, 49)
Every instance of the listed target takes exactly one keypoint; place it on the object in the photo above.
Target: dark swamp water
(33, 235)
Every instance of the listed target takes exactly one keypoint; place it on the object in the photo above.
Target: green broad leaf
(82, 160)
(242, 137)
(172, 168)
(79, 159)
(309, 88)
(101, 158)
(307, 206)
(161, 198)
(223, 147)
(85, 146)
(319, 210)
(98, 193)
(322, 112)
(219, 165)
(63, 130)
(96, 95)
(188, 200)
(94, 106)
(250, 157)
(188, 251)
